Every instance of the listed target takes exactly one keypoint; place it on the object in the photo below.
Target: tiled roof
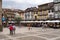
(31, 9)
(45, 6)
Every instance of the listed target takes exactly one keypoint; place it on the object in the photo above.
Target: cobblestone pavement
(22, 33)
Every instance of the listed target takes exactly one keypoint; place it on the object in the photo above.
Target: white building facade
(28, 16)
(57, 9)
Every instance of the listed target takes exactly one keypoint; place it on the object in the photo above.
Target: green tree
(18, 19)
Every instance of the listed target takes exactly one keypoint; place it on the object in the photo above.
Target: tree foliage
(18, 19)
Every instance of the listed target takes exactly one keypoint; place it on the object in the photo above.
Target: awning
(31, 21)
(39, 21)
(53, 21)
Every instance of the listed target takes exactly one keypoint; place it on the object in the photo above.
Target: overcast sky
(23, 4)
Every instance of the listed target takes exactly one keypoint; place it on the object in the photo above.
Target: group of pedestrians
(12, 29)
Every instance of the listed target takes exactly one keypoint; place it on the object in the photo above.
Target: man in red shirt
(11, 29)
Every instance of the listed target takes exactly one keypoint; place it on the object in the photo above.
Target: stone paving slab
(43, 31)
(6, 39)
(31, 38)
(30, 33)
(48, 36)
(17, 35)
(3, 37)
(58, 39)
(56, 33)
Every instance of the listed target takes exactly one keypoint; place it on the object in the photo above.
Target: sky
(22, 4)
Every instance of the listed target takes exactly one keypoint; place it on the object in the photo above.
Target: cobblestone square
(35, 34)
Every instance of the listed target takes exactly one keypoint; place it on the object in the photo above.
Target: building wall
(42, 15)
(57, 7)
(57, 10)
(46, 10)
(57, 15)
(29, 16)
(10, 16)
(51, 14)
(22, 15)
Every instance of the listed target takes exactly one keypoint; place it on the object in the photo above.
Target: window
(39, 13)
(59, 15)
(50, 16)
(56, 8)
(32, 16)
(28, 15)
(50, 11)
(56, 15)
(25, 16)
(59, 6)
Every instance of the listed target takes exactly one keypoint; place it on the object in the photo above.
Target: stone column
(1, 15)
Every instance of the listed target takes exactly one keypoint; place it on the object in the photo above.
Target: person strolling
(11, 29)
(14, 28)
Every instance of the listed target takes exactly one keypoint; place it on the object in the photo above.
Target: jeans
(11, 32)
